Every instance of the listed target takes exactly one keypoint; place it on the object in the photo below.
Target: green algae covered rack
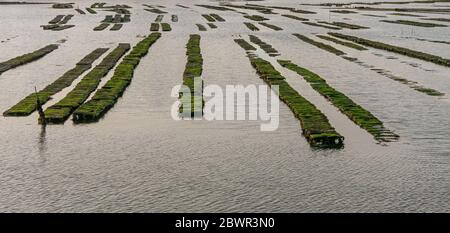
(28, 105)
(192, 79)
(395, 49)
(352, 110)
(315, 125)
(26, 58)
(105, 98)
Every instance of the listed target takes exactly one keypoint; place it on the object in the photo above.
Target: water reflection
(42, 141)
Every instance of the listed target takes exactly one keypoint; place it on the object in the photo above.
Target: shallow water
(138, 159)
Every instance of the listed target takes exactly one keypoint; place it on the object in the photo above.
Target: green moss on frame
(26, 58)
(116, 27)
(209, 18)
(218, 8)
(395, 49)
(251, 26)
(271, 26)
(344, 11)
(303, 11)
(101, 27)
(106, 97)
(80, 11)
(159, 18)
(59, 112)
(320, 45)
(56, 20)
(156, 11)
(212, 26)
(200, 27)
(439, 19)
(192, 78)
(295, 17)
(66, 19)
(217, 17)
(154, 27)
(344, 43)
(345, 25)
(166, 27)
(244, 44)
(414, 23)
(28, 105)
(90, 10)
(255, 17)
(321, 25)
(315, 125)
(174, 18)
(264, 46)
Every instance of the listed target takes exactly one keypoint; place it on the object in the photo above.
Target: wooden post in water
(39, 108)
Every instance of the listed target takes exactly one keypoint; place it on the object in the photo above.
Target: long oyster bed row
(28, 105)
(27, 58)
(105, 98)
(315, 125)
(59, 112)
